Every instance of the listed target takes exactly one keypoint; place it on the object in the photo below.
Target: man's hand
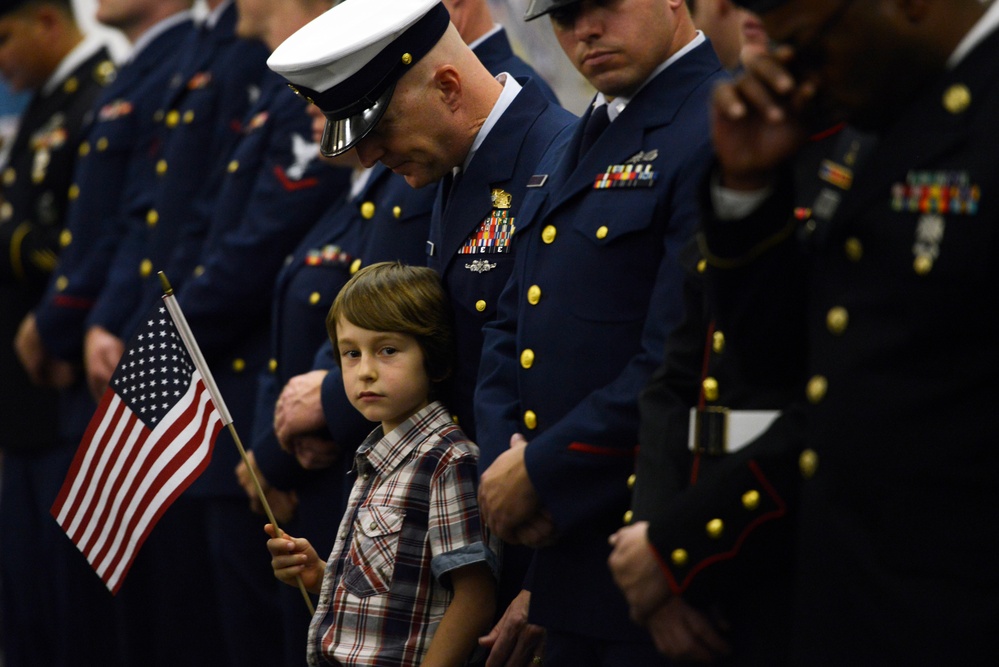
(682, 633)
(315, 452)
(514, 642)
(43, 369)
(299, 409)
(636, 571)
(507, 499)
(758, 120)
(102, 351)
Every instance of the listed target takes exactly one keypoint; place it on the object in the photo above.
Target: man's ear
(448, 82)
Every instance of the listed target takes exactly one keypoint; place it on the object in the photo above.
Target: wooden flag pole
(267, 510)
(220, 406)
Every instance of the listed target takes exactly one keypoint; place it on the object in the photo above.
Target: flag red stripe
(118, 574)
(154, 451)
(81, 453)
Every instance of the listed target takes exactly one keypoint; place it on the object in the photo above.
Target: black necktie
(595, 124)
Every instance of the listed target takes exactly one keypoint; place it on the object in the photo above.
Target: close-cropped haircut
(391, 296)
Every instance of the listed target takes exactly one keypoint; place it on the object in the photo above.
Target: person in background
(596, 287)
(411, 578)
(735, 33)
(201, 116)
(42, 52)
(862, 307)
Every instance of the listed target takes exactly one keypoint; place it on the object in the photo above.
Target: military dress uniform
(472, 230)
(200, 120)
(39, 582)
(887, 338)
(596, 287)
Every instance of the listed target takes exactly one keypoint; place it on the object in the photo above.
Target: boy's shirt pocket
(373, 547)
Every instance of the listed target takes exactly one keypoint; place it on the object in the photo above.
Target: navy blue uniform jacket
(886, 334)
(473, 280)
(582, 324)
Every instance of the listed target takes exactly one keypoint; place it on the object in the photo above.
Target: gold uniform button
(679, 557)
(84, 149)
(715, 528)
(71, 85)
(234, 166)
(161, 167)
(102, 144)
(549, 233)
(188, 117)
(198, 270)
(158, 116)
(173, 118)
(751, 499)
(407, 59)
(530, 419)
(922, 265)
(6, 211)
(632, 478)
(702, 265)
(314, 298)
(396, 212)
(74, 192)
(9, 176)
(718, 342)
(533, 295)
(854, 249)
(152, 217)
(628, 516)
(527, 358)
(62, 282)
(368, 210)
(272, 365)
(837, 320)
(355, 266)
(957, 98)
(238, 365)
(817, 388)
(602, 232)
(145, 268)
(65, 238)
(710, 387)
(808, 463)
(480, 305)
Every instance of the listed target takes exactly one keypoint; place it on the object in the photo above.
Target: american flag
(151, 437)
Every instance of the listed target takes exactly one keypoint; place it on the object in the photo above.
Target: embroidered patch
(328, 254)
(493, 235)
(199, 80)
(625, 176)
(836, 174)
(936, 192)
(115, 110)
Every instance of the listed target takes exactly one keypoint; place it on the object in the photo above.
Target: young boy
(410, 580)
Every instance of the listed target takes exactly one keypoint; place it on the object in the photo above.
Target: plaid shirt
(412, 517)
